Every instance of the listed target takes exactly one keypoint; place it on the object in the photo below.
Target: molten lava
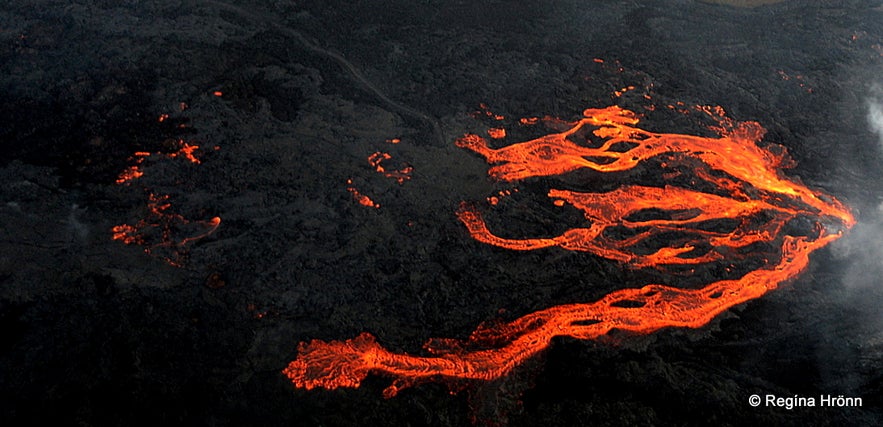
(133, 171)
(750, 192)
(359, 197)
(497, 133)
(399, 175)
(160, 231)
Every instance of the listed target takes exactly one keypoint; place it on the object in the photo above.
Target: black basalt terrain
(286, 101)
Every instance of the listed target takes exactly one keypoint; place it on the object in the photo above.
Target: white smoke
(875, 112)
(849, 362)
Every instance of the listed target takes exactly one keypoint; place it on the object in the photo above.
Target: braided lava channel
(751, 191)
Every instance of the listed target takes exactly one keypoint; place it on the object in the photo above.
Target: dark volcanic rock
(287, 100)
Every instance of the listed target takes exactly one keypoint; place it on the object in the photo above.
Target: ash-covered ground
(288, 99)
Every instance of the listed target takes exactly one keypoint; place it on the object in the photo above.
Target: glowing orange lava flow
(359, 197)
(160, 228)
(753, 202)
(376, 161)
(159, 231)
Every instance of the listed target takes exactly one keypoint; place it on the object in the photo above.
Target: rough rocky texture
(100, 333)
(743, 3)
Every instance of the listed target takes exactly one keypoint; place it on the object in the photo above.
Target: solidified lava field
(202, 198)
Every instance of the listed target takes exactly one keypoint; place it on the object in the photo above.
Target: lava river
(744, 195)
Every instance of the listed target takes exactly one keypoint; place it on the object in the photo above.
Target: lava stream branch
(346, 363)
(736, 153)
(688, 209)
(756, 203)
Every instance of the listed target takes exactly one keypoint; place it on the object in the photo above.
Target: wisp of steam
(875, 112)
